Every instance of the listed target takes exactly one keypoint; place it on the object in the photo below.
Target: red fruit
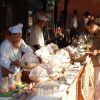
(12, 87)
(3, 90)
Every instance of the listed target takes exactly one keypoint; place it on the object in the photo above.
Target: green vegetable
(18, 86)
(14, 91)
(9, 94)
(6, 94)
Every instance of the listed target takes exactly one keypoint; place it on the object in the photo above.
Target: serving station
(62, 74)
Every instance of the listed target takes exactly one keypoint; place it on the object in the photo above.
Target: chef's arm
(5, 71)
(25, 48)
(82, 59)
(93, 53)
(5, 68)
(98, 51)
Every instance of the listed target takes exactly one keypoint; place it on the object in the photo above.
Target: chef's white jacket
(8, 53)
(36, 36)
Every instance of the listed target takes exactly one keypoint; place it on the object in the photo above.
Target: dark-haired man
(94, 29)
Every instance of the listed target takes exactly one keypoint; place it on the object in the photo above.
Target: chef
(11, 50)
(36, 35)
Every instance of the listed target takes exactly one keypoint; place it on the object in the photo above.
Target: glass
(11, 80)
(18, 77)
(4, 84)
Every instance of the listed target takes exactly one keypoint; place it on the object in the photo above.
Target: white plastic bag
(28, 59)
(38, 72)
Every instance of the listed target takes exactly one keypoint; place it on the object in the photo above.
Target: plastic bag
(29, 59)
(38, 72)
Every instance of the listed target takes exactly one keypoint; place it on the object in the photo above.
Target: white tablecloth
(71, 87)
(67, 91)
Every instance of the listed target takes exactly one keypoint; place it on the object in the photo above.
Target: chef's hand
(89, 53)
(95, 52)
(16, 63)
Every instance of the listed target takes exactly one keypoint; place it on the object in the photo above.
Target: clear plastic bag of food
(29, 60)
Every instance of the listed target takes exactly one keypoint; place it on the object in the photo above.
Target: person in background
(74, 25)
(61, 19)
(91, 18)
(60, 38)
(94, 29)
(86, 16)
(11, 50)
(36, 35)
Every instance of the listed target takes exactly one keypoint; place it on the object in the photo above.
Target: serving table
(64, 89)
(76, 86)
(69, 86)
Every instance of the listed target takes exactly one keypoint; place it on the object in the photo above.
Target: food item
(25, 94)
(20, 85)
(29, 60)
(53, 76)
(5, 94)
(3, 90)
(12, 87)
(38, 74)
(31, 65)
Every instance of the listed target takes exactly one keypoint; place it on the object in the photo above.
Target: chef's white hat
(16, 29)
(42, 17)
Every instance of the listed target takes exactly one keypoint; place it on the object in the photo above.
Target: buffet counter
(69, 86)
(76, 86)
(61, 89)
(58, 76)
